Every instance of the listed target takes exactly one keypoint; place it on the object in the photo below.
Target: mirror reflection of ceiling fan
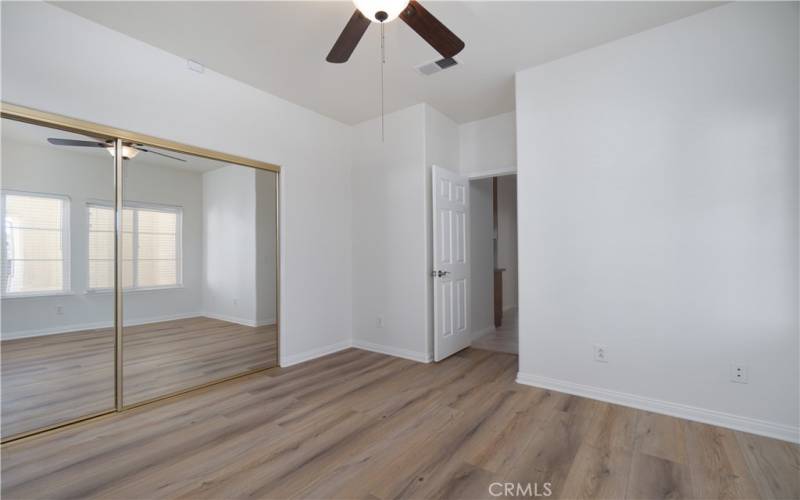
(382, 11)
(129, 151)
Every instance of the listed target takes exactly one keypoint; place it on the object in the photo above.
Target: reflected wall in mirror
(199, 272)
(57, 333)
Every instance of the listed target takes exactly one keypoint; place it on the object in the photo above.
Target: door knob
(439, 274)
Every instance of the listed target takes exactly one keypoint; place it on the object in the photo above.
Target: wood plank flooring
(56, 378)
(362, 425)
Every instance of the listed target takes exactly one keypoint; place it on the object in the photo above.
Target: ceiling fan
(129, 151)
(382, 11)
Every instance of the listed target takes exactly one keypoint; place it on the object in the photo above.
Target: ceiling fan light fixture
(128, 152)
(381, 11)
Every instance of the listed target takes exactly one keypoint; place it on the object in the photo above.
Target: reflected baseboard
(237, 320)
(24, 334)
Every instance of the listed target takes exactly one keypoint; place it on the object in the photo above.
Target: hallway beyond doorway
(502, 339)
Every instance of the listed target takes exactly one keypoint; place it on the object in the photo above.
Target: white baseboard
(722, 419)
(301, 357)
(358, 344)
(420, 357)
(265, 322)
(134, 322)
(234, 319)
(21, 334)
(480, 333)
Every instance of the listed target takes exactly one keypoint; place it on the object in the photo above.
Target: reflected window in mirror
(151, 246)
(35, 246)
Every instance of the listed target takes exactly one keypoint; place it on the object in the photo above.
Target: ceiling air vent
(442, 64)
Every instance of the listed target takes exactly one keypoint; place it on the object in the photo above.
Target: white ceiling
(36, 135)
(280, 47)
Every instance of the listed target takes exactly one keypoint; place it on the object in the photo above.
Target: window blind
(35, 243)
(150, 247)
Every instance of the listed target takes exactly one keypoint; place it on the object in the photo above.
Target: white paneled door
(451, 265)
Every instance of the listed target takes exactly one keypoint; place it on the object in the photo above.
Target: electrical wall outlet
(59, 309)
(600, 354)
(379, 322)
(739, 374)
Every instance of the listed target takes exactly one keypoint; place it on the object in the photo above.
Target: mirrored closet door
(199, 272)
(57, 330)
(130, 272)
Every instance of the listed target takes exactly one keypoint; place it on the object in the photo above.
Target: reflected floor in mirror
(51, 379)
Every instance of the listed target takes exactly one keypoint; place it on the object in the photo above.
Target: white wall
(507, 237)
(441, 150)
(392, 236)
(482, 253)
(229, 238)
(152, 91)
(658, 216)
(389, 240)
(489, 146)
(82, 177)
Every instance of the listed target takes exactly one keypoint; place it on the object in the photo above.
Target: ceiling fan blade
(347, 41)
(157, 153)
(431, 29)
(73, 142)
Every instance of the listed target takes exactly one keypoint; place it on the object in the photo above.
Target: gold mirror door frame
(122, 139)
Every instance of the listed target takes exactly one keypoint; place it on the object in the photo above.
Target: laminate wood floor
(362, 425)
(56, 378)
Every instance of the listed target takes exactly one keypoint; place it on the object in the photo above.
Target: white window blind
(35, 253)
(101, 248)
(151, 238)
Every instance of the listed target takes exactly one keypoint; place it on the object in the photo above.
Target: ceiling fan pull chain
(383, 62)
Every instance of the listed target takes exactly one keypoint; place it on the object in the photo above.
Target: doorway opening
(493, 242)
